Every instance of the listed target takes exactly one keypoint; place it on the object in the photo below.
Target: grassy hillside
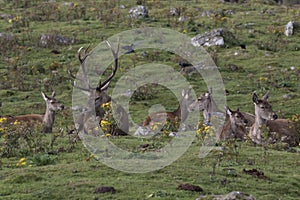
(59, 167)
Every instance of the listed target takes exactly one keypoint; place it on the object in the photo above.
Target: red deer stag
(52, 105)
(98, 96)
(178, 115)
(235, 127)
(277, 129)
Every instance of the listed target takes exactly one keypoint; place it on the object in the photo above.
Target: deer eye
(262, 107)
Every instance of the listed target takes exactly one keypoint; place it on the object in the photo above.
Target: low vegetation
(38, 44)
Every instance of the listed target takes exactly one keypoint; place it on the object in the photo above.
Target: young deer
(235, 126)
(278, 129)
(98, 95)
(178, 115)
(206, 104)
(52, 105)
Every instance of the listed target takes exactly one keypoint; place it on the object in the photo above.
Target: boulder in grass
(138, 12)
(235, 195)
(215, 37)
(50, 40)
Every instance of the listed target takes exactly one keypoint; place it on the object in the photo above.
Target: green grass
(71, 172)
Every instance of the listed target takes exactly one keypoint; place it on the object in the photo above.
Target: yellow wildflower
(263, 78)
(223, 18)
(106, 105)
(21, 162)
(16, 122)
(92, 9)
(295, 118)
(104, 123)
(154, 127)
(107, 134)
(2, 119)
(166, 133)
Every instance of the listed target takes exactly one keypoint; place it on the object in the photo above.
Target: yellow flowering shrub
(2, 125)
(108, 123)
(18, 138)
(167, 127)
(18, 21)
(204, 131)
(21, 163)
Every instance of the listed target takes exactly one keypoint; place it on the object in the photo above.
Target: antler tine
(85, 78)
(86, 54)
(73, 76)
(103, 85)
(114, 52)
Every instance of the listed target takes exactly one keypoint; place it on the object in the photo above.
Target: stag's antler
(102, 85)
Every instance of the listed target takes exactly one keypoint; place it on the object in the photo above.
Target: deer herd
(264, 126)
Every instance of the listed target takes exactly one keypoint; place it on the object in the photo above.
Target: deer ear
(210, 91)
(45, 96)
(255, 98)
(266, 96)
(182, 92)
(228, 111)
(53, 93)
(189, 91)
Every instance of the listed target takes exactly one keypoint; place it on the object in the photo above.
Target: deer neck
(48, 120)
(259, 121)
(233, 127)
(211, 108)
(255, 130)
(182, 111)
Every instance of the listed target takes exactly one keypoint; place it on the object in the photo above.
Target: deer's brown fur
(52, 105)
(235, 125)
(178, 115)
(276, 129)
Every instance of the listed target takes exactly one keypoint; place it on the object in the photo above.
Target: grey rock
(235, 195)
(289, 28)
(49, 40)
(174, 12)
(213, 38)
(216, 37)
(142, 131)
(182, 18)
(138, 12)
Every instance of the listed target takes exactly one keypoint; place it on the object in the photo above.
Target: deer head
(96, 94)
(201, 103)
(52, 103)
(236, 117)
(206, 104)
(263, 109)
